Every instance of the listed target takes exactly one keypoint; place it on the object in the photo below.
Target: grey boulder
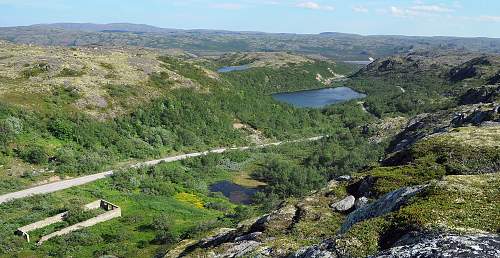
(344, 204)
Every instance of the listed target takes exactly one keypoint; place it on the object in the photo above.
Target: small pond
(318, 98)
(235, 193)
(227, 69)
(359, 62)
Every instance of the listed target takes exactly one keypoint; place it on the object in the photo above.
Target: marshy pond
(234, 192)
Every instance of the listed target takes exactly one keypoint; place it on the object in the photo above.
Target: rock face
(344, 204)
(240, 249)
(494, 79)
(425, 125)
(445, 245)
(468, 69)
(323, 250)
(485, 94)
(224, 235)
(387, 203)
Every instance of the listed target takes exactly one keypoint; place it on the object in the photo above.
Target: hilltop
(341, 46)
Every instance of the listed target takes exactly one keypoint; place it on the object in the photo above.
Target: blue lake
(318, 98)
(227, 69)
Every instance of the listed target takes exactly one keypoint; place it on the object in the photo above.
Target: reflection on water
(318, 98)
(227, 69)
(235, 193)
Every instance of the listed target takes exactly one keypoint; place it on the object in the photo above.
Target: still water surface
(227, 69)
(318, 98)
(235, 193)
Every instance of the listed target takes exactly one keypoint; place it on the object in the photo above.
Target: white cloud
(431, 9)
(360, 9)
(489, 18)
(396, 11)
(420, 10)
(315, 6)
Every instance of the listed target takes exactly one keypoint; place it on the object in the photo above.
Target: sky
(468, 18)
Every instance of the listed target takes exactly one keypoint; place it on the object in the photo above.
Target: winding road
(65, 184)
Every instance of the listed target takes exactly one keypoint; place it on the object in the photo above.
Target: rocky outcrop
(387, 203)
(278, 220)
(471, 69)
(236, 242)
(444, 245)
(419, 244)
(240, 249)
(494, 79)
(485, 94)
(323, 250)
(425, 125)
(224, 235)
(447, 66)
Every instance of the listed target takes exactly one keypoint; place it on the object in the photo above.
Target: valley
(248, 144)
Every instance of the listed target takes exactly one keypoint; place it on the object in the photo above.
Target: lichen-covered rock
(361, 202)
(387, 203)
(445, 245)
(344, 204)
(278, 220)
(224, 235)
(441, 122)
(248, 237)
(240, 249)
(323, 250)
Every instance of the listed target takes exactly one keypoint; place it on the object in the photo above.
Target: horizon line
(248, 31)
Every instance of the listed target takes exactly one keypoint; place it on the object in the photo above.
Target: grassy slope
(190, 108)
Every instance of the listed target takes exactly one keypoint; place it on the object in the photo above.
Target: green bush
(67, 72)
(163, 225)
(61, 128)
(120, 91)
(77, 214)
(286, 179)
(35, 155)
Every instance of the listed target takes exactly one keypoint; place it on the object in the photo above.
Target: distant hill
(207, 42)
(92, 27)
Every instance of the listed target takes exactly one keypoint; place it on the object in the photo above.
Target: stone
(344, 204)
(344, 178)
(361, 202)
(445, 245)
(387, 203)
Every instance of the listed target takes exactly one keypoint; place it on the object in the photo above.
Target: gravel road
(65, 184)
